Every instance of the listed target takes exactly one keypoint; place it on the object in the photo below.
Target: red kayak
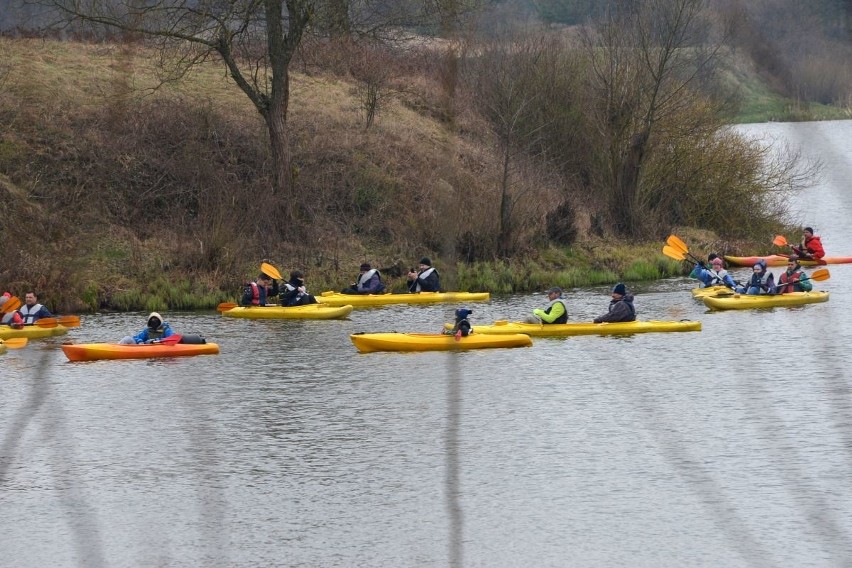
(781, 260)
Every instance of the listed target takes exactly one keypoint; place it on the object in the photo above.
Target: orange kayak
(97, 351)
(781, 260)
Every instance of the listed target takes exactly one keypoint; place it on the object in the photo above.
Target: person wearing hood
(811, 246)
(426, 279)
(793, 279)
(294, 292)
(156, 329)
(620, 307)
(761, 281)
(369, 281)
(462, 327)
(556, 311)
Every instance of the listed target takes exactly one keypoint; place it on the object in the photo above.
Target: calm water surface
(728, 447)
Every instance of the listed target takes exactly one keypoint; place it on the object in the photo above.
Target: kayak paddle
(225, 306)
(270, 270)
(12, 304)
(170, 340)
(780, 241)
(673, 253)
(14, 342)
(67, 321)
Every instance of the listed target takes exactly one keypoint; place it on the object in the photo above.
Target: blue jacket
(148, 334)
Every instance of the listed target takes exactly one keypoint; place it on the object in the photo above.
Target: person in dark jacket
(426, 279)
(761, 281)
(462, 327)
(620, 307)
(369, 282)
(294, 292)
(32, 311)
(259, 292)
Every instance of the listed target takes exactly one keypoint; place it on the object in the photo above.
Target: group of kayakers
(761, 281)
(620, 308)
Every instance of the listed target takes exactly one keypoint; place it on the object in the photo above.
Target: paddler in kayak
(257, 293)
(13, 319)
(761, 281)
(156, 329)
(620, 307)
(369, 281)
(810, 247)
(716, 275)
(32, 311)
(295, 293)
(554, 312)
(462, 326)
(426, 279)
(793, 279)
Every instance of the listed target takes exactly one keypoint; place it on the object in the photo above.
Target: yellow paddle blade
(14, 342)
(672, 252)
(678, 244)
(225, 306)
(46, 322)
(780, 241)
(270, 271)
(820, 275)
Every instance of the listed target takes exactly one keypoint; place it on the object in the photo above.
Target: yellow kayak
(363, 300)
(370, 342)
(2, 348)
(746, 302)
(501, 327)
(32, 331)
(309, 311)
(710, 291)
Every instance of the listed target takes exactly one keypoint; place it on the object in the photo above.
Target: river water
(726, 447)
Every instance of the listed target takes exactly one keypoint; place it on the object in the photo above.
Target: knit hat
(809, 230)
(425, 260)
(365, 266)
(794, 259)
(556, 289)
(297, 274)
(717, 261)
(619, 289)
(155, 316)
(462, 313)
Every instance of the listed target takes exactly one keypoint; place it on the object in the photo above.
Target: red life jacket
(783, 287)
(255, 294)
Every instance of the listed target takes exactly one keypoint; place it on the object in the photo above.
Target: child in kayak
(462, 326)
(761, 281)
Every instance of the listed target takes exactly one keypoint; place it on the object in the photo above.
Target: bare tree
(646, 57)
(256, 40)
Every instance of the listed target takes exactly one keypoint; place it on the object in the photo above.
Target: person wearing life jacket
(13, 319)
(369, 281)
(258, 292)
(462, 326)
(793, 279)
(556, 311)
(761, 281)
(426, 279)
(32, 311)
(156, 329)
(620, 307)
(294, 292)
(810, 247)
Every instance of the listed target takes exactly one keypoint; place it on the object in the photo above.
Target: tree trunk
(504, 240)
(626, 209)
